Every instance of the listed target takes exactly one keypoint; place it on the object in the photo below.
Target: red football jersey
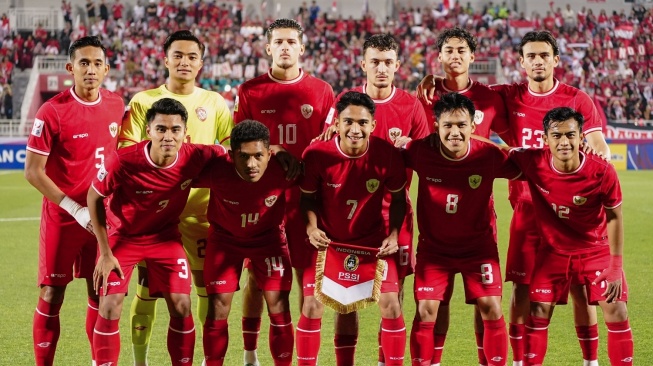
(76, 136)
(570, 206)
(295, 110)
(453, 199)
(526, 110)
(400, 114)
(490, 109)
(247, 212)
(350, 189)
(146, 200)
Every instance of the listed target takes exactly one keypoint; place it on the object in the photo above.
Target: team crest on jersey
(372, 185)
(394, 133)
(37, 129)
(185, 184)
(113, 129)
(475, 181)
(351, 262)
(201, 113)
(102, 173)
(307, 111)
(270, 200)
(478, 117)
(579, 201)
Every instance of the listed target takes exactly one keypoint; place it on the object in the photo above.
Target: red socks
(537, 332)
(45, 331)
(516, 333)
(91, 318)
(281, 338)
(106, 341)
(308, 340)
(215, 341)
(181, 340)
(378, 339)
(251, 328)
(588, 337)
(421, 343)
(495, 342)
(393, 340)
(345, 345)
(620, 343)
(438, 347)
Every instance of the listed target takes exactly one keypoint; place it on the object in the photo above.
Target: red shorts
(224, 264)
(65, 248)
(523, 244)
(406, 256)
(390, 279)
(434, 276)
(167, 267)
(554, 273)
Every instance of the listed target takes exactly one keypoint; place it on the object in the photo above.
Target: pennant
(348, 277)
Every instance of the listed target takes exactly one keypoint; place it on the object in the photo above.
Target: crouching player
(149, 185)
(342, 197)
(577, 200)
(246, 213)
(456, 231)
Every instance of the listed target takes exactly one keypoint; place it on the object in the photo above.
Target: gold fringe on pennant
(335, 304)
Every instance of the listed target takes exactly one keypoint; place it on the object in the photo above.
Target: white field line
(12, 219)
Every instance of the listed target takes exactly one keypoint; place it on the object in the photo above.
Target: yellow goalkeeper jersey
(209, 122)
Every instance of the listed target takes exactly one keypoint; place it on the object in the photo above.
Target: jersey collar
(293, 81)
(149, 159)
(583, 158)
(470, 83)
(469, 149)
(382, 101)
(77, 98)
(337, 142)
(556, 83)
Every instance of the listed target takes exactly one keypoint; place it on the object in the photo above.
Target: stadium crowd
(603, 54)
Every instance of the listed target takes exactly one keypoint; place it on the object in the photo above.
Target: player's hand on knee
(612, 275)
(318, 239)
(106, 263)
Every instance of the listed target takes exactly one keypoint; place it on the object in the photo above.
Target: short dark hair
(561, 114)
(459, 33)
(284, 23)
(167, 106)
(247, 131)
(539, 36)
(88, 41)
(381, 42)
(451, 102)
(355, 98)
(182, 35)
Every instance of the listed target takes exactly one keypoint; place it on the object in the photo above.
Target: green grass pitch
(19, 230)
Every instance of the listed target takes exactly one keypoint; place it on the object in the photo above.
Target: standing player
(577, 200)
(457, 232)
(456, 49)
(246, 215)
(209, 122)
(527, 103)
(149, 184)
(400, 118)
(342, 196)
(294, 106)
(72, 134)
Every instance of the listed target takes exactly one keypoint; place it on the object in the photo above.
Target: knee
(427, 311)
(111, 306)
(541, 310)
(312, 308)
(53, 294)
(490, 307)
(181, 307)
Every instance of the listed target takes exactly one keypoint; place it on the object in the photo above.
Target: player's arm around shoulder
(597, 144)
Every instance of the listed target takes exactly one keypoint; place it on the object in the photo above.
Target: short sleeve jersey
(400, 114)
(76, 136)
(453, 199)
(146, 199)
(526, 110)
(249, 213)
(570, 207)
(350, 189)
(490, 109)
(209, 122)
(295, 110)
